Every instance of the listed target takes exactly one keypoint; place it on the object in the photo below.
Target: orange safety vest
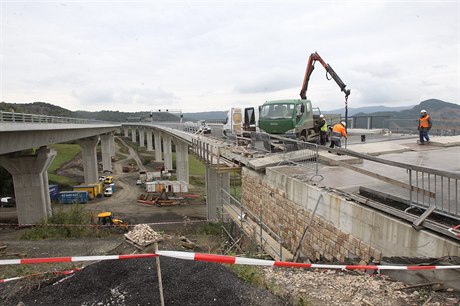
(424, 122)
(339, 131)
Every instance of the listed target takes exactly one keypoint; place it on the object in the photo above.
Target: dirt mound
(134, 282)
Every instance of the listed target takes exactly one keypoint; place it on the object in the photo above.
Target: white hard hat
(321, 116)
(343, 123)
(422, 111)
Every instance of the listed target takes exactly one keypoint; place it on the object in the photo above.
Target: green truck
(297, 118)
(290, 118)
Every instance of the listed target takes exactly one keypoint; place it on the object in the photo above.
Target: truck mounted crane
(329, 71)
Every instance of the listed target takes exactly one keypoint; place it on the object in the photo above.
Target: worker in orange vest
(424, 125)
(337, 132)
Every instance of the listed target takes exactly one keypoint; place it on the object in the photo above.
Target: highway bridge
(306, 201)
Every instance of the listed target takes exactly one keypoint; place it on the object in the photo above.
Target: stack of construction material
(143, 235)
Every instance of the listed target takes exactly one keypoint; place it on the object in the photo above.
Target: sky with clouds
(198, 56)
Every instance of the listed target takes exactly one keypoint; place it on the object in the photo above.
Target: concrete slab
(377, 148)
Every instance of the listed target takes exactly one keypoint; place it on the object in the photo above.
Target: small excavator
(107, 218)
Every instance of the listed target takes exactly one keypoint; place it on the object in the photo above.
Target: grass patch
(196, 167)
(65, 219)
(65, 154)
(250, 274)
(209, 228)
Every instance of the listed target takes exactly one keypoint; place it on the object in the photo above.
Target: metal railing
(424, 187)
(442, 127)
(294, 152)
(438, 189)
(243, 214)
(34, 118)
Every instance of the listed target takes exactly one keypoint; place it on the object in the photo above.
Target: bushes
(64, 224)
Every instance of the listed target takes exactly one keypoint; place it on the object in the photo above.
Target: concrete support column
(30, 181)
(113, 150)
(141, 137)
(182, 171)
(167, 152)
(88, 148)
(133, 134)
(158, 155)
(126, 132)
(148, 135)
(214, 183)
(106, 152)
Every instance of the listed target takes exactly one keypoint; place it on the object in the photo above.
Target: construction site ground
(134, 282)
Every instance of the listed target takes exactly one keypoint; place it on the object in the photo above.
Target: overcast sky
(205, 55)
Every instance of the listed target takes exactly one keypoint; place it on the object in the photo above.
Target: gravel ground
(134, 282)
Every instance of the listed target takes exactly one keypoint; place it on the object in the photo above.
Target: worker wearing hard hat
(424, 125)
(322, 130)
(337, 132)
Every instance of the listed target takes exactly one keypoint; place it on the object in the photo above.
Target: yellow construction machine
(107, 218)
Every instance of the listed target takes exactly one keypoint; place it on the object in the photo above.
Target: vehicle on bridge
(7, 202)
(297, 118)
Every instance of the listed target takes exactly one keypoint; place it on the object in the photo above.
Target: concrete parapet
(340, 229)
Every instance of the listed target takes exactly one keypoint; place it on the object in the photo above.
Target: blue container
(73, 197)
(113, 187)
(54, 193)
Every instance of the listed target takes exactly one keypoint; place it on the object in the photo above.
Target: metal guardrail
(294, 152)
(34, 118)
(424, 186)
(441, 127)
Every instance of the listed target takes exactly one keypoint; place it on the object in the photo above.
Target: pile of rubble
(143, 235)
(331, 287)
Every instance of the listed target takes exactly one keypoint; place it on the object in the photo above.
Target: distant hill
(367, 109)
(42, 108)
(216, 115)
(436, 108)
(39, 108)
(444, 115)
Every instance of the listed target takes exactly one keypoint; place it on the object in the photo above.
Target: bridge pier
(126, 132)
(141, 137)
(158, 155)
(106, 151)
(167, 152)
(148, 133)
(182, 171)
(133, 134)
(88, 148)
(30, 179)
(214, 183)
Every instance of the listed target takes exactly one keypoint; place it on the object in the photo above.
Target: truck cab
(289, 118)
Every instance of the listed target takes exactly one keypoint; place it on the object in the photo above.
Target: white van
(108, 192)
(232, 124)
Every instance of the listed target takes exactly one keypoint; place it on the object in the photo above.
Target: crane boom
(311, 66)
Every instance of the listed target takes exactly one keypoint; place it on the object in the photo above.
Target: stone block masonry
(341, 230)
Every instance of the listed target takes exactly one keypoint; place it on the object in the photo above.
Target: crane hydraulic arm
(311, 65)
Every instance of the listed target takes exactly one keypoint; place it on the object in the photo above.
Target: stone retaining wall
(340, 229)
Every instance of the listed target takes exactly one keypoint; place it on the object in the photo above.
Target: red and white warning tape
(27, 261)
(66, 272)
(262, 262)
(220, 259)
(454, 228)
(102, 226)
